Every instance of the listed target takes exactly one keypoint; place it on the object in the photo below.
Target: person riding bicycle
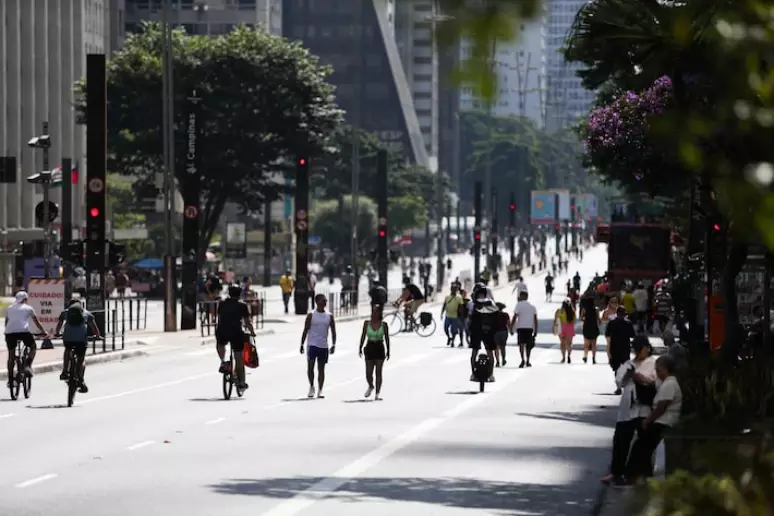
(17, 328)
(233, 316)
(77, 322)
(411, 297)
(483, 326)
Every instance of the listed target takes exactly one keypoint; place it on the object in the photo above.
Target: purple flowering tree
(620, 141)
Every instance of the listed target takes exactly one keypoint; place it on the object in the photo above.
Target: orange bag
(250, 355)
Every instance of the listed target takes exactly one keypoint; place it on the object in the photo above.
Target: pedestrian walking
(526, 322)
(376, 338)
(316, 327)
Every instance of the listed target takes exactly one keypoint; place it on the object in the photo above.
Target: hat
(21, 296)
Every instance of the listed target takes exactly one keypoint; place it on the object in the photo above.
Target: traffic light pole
(494, 229)
(96, 151)
(512, 227)
(383, 235)
(168, 128)
(46, 199)
(477, 231)
(301, 293)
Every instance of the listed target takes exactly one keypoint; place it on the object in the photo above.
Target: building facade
(356, 38)
(567, 99)
(521, 75)
(208, 17)
(43, 47)
(415, 23)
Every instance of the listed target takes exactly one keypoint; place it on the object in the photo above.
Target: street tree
(335, 232)
(264, 101)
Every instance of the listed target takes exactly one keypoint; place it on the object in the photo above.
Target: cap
(21, 296)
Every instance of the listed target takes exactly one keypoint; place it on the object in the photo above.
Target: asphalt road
(154, 437)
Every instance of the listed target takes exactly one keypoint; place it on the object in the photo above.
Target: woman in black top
(590, 318)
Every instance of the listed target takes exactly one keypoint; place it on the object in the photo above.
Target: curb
(210, 339)
(107, 356)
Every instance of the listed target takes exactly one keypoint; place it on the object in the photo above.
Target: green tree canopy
(522, 158)
(411, 189)
(264, 100)
(330, 221)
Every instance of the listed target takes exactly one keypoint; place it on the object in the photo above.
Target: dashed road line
(215, 421)
(5, 416)
(140, 445)
(37, 480)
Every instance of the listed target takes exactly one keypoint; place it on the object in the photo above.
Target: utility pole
(357, 123)
(168, 129)
(440, 201)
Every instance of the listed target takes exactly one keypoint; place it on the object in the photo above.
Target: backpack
(488, 316)
(75, 316)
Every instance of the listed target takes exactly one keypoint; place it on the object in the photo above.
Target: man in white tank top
(316, 329)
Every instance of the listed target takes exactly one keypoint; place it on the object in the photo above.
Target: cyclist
(17, 328)
(412, 298)
(483, 326)
(233, 316)
(77, 322)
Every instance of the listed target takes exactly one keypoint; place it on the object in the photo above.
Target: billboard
(563, 198)
(578, 203)
(592, 210)
(543, 207)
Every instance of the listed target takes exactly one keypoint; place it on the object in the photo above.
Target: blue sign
(314, 240)
(543, 207)
(36, 268)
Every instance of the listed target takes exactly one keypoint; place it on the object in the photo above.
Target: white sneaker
(311, 393)
(369, 391)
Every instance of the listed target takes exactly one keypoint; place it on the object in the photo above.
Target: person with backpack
(483, 326)
(76, 321)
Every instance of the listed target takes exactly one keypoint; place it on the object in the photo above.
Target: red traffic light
(74, 177)
(556, 227)
(716, 227)
(382, 233)
(512, 207)
(94, 212)
(302, 161)
(477, 236)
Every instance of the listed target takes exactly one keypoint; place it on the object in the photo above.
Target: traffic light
(512, 207)
(74, 176)
(116, 254)
(73, 252)
(477, 236)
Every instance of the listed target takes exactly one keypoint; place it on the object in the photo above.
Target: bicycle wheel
(14, 386)
(26, 379)
(72, 386)
(425, 331)
(394, 323)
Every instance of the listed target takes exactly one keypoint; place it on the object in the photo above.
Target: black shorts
(374, 350)
(237, 340)
(487, 341)
(79, 348)
(11, 339)
(524, 337)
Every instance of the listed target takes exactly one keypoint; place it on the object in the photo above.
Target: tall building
(371, 85)
(43, 47)
(208, 17)
(521, 75)
(567, 99)
(415, 23)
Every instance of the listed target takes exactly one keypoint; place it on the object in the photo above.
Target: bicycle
(398, 322)
(20, 380)
(230, 379)
(74, 377)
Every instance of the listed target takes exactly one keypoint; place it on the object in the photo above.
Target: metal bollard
(131, 314)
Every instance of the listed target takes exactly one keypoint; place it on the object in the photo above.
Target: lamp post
(43, 178)
(168, 128)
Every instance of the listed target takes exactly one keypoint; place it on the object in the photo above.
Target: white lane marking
(289, 354)
(414, 359)
(146, 389)
(322, 489)
(461, 357)
(4, 416)
(36, 480)
(140, 445)
(200, 352)
(215, 421)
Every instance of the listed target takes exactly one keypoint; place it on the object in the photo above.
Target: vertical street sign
(236, 240)
(191, 213)
(96, 153)
(301, 225)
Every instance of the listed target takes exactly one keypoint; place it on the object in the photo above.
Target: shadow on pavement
(510, 498)
(603, 416)
(51, 406)
(360, 400)
(462, 393)
(211, 399)
(288, 400)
